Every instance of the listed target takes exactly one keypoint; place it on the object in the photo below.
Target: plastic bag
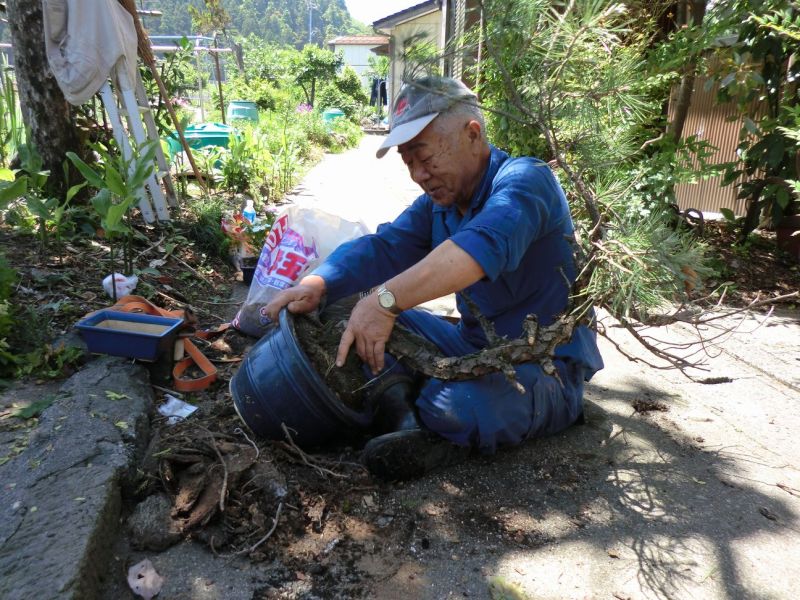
(125, 285)
(300, 239)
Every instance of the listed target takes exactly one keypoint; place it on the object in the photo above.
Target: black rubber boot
(410, 454)
(393, 398)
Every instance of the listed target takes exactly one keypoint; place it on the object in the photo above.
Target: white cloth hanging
(84, 40)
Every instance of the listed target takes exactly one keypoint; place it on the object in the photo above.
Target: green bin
(243, 110)
(200, 135)
(331, 114)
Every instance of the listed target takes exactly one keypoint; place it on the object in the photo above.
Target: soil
(58, 285)
(320, 340)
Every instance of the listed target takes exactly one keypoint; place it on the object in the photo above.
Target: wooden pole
(219, 80)
(147, 56)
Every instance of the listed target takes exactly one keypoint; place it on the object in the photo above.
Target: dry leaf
(144, 581)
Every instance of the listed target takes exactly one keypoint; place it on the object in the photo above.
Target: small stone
(151, 525)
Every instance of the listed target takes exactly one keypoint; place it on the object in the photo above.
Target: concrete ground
(673, 489)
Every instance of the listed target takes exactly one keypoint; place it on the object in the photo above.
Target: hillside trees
(277, 21)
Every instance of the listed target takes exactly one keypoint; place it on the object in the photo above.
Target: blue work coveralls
(516, 228)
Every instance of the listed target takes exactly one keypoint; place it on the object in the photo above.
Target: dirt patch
(644, 405)
(757, 269)
(320, 337)
(58, 285)
(243, 496)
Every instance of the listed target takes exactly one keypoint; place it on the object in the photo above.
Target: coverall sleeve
(362, 263)
(525, 203)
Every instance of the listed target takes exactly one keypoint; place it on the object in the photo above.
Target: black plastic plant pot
(277, 385)
(247, 274)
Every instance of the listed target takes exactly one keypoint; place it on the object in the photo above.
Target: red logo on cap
(401, 107)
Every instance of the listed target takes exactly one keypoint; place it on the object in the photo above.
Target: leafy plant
(208, 160)
(11, 187)
(238, 163)
(759, 74)
(32, 165)
(345, 92)
(118, 184)
(204, 226)
(50, 213)
(34, 409)
(49, 362)
(344, 134)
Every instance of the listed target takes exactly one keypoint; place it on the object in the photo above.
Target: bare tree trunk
(686, 90)
(46, 113)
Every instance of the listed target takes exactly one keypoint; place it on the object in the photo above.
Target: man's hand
(369, 327)
(302, 298)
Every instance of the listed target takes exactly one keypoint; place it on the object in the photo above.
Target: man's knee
(441, 409)
(488, 412)
(479, 413)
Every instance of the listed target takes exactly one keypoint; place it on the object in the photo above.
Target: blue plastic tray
(133, 335)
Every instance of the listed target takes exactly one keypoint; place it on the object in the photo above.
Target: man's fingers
(361, 348)
(344, 347)
(274, 307)
(299, 305)
(296, 299)
(378, 357)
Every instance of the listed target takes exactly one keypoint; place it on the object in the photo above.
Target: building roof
(359, 40)
(409, 13)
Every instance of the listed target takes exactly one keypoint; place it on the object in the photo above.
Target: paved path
(358, 186)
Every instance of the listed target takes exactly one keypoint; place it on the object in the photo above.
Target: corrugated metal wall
(717, 124)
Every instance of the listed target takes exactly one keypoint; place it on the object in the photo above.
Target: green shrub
(237, 164)
(344, 92)
(344, 134)
(313, 129)
(205, 225)
(264, 93)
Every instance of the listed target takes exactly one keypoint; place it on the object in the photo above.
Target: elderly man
(489, 225)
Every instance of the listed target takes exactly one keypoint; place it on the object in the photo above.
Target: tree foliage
(758, 71)
(570, 83)
(314, 65)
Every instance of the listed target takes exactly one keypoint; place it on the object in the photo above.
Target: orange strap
(138, 304)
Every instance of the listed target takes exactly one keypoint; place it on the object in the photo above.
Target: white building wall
(357, 58)
(430, 26)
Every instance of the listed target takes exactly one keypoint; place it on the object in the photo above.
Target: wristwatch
(386, 300)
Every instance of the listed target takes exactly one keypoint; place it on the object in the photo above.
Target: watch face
(386, 299)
